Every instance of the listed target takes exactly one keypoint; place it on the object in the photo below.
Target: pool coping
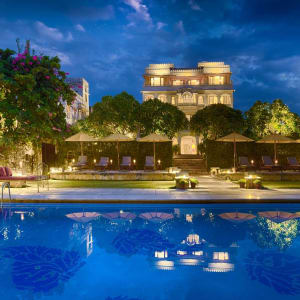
(162, 201)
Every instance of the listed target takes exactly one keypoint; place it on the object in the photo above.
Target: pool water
(161, 252)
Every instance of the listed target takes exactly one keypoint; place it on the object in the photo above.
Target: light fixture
(73, 160)
(252, 162)
(94, 160)
(159, 161)
(111, 161)
(134, 161)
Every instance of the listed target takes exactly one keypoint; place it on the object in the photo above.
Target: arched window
(225, 99)
(212, 99)
(186, 98)
(162, 98)
(148, 97)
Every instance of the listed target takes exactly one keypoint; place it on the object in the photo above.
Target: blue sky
(111, 42)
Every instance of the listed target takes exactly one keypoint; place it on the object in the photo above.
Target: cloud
(160, 25)
(180, 27)
(140, 9)
(52, 33)
(79, 27)
(194, 6)
(69, 37)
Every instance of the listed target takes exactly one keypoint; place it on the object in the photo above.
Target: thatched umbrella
(116, 137)
(81, 137)
(234, 138)
(154, 138)
(276, 139)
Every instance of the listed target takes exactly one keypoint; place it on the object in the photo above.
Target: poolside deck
(210, 190)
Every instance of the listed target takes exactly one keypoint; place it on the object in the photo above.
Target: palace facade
(190, 89)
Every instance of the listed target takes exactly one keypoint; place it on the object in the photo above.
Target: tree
(31, 108)
(159, 117)
(116, 114)
(217, 120)
(265, 118)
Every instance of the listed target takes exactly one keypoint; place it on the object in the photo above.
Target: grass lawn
(111, 184)
(282, 184)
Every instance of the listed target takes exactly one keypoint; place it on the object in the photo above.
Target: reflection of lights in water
(177, 212)
(180, 252)
(89, 241)
(219, 267)
(189, 261)
(221, 255)
(189, 218)
(197, 253)
(203, 211)
(165, 265)
(161, 254)
(193, 239)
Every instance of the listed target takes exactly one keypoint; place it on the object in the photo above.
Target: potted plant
(257, 184)
(242, 183)
(182, 183)
(194, 182)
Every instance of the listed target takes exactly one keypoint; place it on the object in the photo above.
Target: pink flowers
(67, 73)
(79, 86)
(22, 64)
(30, 62)
(47, 77)
(50, 114)
(34, 57)
(56, 129)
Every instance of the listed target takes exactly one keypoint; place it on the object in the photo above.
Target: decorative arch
(162, 98)
(148, 97)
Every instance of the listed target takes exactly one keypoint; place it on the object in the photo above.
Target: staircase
(193, 164)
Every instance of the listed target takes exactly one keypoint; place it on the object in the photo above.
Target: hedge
(220, 154)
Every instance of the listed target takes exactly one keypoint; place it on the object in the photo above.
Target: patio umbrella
(81, 137)
(237, 217)
(116, 137)
(119, 215)
(154, 138)
(276, 139)
(156, 217)
(234, 138)
(278, 216)
(83, 217)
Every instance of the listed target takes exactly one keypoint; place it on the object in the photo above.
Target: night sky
(111, 42)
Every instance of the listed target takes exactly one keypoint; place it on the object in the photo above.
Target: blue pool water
(161, 252)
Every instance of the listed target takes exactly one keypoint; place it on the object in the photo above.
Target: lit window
(177, 82)
(193, 82)
(215, 80)
(225, 99)
(173, 100)
(200, 100)
(212, 99)
(162, 98)
(220, 255)
(157, 81)
(187, 98)
(148, 97)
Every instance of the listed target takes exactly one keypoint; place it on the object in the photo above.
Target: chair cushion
(8, 171)
(2, 172)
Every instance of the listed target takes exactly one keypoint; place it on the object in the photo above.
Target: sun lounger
(126, 163)
(293, 164)
(82, 162)
(103, 163)
(268, 164)
(7, 176)
(244, 164)
(149, 163)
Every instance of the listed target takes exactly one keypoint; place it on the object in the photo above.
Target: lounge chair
(103, 163)
(126, 163)
(293, 164)
(268, 164)
(82, 162)
(7, 176)
(149, 163)
(244, 164)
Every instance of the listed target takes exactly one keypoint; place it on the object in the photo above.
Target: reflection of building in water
(82, 236)
(194, 251)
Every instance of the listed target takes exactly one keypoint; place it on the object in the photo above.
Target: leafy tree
(116, 114)
(159, 117)
(217, 120)
(265, 118)
(31, 108)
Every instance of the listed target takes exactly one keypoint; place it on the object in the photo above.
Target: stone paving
(210, 189)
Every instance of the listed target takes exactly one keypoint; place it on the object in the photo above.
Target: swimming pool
(161, 252)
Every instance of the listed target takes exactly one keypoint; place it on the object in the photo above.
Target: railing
(5, 185)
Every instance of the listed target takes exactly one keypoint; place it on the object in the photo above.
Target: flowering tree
(32, 89)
